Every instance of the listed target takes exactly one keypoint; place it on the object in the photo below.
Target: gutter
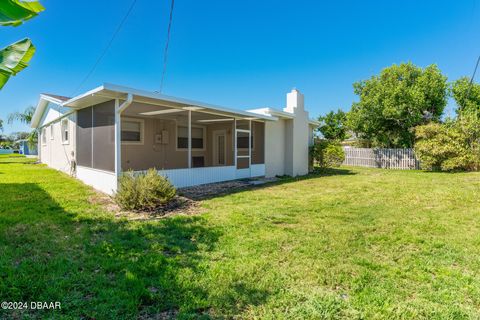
(125, 104)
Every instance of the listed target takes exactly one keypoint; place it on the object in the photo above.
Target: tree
(15, 57)
(466, 95)
(393, 103)
(453, 145)
(1, 125)
(332, 125)
(26, 118)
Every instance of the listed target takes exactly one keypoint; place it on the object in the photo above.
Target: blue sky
(242, 54)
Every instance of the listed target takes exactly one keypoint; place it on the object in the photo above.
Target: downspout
(118, 131)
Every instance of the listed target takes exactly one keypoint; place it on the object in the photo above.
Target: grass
(350, 243)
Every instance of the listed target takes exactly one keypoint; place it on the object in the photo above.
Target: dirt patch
(99, 198)
(178, 206)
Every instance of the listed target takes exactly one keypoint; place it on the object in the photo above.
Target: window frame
(52, 131)
(204, 128)
(62, 131)
(252, 137)
(142, 131)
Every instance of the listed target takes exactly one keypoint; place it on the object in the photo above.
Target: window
(51, 131)
(132, 131)
(65, 131)
(242, 136)
(44, 136)
(198, 137)
(242, 140)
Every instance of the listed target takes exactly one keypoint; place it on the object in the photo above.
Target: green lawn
(353, 243)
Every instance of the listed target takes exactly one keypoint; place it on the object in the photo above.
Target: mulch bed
(206, 191)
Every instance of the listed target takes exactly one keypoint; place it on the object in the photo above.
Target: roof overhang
(273, 112)
(107, 92)
(40, 109)
(282, 114)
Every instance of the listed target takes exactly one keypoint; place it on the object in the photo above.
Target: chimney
(294, 101)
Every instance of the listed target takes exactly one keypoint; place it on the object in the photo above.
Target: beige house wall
(275, 133)
(167, 156)
(54, 152)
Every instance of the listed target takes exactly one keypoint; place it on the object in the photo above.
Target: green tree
(333, 126)
(26, 118)
(393, 103)
(15, 57)
(466, 95)
(1, 125)
(449, 146)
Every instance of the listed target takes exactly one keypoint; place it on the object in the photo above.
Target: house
(112, 129)
(26, 149)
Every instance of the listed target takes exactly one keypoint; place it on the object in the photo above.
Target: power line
(105, 50)
(472, 78)
(475, 70)
(165, 54)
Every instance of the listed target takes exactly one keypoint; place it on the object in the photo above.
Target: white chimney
(294, 101)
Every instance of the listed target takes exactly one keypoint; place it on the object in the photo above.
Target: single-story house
(25, 148)
(101, 133)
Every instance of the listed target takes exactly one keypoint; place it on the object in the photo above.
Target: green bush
(327, 153)
(452, 146)
(144, 192)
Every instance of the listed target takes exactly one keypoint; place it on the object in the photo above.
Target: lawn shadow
(101, 267)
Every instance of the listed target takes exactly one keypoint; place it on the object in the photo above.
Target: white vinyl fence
(403, 159)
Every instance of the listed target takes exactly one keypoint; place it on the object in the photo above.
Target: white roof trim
(273, 112)
(161, 97)
(41, 106)
(51, 99)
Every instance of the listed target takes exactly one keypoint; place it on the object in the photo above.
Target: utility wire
(105, 50)
(165, 54)
(473, 76)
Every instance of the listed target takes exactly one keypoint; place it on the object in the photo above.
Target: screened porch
(191, 145)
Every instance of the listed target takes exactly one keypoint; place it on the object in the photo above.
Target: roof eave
(107, 89)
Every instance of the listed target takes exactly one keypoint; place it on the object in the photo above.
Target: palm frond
(15, 12)
(14, 59)
(23, 117)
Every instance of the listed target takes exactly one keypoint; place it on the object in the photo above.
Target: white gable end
(52, 112)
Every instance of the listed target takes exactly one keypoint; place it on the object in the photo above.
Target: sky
(242, 54)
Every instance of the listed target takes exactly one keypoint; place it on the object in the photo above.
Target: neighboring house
(24, 148)
(112, 129)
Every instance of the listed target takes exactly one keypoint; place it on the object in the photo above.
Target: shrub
(145, 191)
(452, 146)
(327, 153)
(333, 155)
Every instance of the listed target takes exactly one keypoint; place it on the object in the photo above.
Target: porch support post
(235, 142)
(118, 132)
(250, 145)
(118, 151)
(189, 139)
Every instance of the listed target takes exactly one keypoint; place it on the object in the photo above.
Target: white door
(219, 148)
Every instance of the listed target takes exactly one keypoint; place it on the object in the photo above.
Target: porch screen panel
(258, 151)
(104, 136)
(84, 137)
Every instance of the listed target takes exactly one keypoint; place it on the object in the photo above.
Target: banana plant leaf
(14, 59)
(15, 12)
